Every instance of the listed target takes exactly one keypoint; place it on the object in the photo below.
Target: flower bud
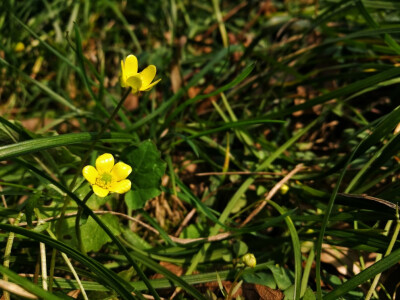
(284, 189)
(19, 47)
(249, 260)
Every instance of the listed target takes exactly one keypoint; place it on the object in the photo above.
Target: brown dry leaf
(176, 78)
(267, 293)
(131, 102)
(206, 105)
(345, 260)
(193, 91)
(177, 270)
(74, 294)
(248, 291)
(33, 124)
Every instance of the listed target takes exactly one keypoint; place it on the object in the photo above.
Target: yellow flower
(107, 177)
(137, 81)
(249, 260)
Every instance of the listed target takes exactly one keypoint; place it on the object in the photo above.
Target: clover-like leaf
(147, 170)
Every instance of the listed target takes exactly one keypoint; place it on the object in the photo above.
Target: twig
(185, 221)
(271, 193)
(239, 173)
(370, 198)
(15, 289)
(214, 238)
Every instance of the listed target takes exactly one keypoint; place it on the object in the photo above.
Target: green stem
(234, 283)
(78, 220)
(52, 268)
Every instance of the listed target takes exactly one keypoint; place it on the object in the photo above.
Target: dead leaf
(176, 78)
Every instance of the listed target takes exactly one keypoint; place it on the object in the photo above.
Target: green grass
(249, 91)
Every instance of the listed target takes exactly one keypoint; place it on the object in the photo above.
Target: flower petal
(120, 171)
(148, 75)
(130, 66)
(148, 88)
(104, 163)
(135, 82)
(123, 75)
(90, 173)
(120, 187)
(99, 191)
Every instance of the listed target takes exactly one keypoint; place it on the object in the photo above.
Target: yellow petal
(135, 82)
(121, 187)
(148, 75)
(90, 173)
(99, 191)
(123, 75)
(120, 171)
(148, 88)
(104, 163)
(131, 66)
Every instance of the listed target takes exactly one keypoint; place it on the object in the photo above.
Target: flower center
(104, 180)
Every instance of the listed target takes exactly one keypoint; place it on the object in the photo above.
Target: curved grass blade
(296, 249)
(38, 144)
(108, 277)
(161, 283)
(318, 246)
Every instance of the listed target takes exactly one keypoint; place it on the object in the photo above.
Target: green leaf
(240, 248)
(309, 294)
(289, 293)
(281, 277)
(147, 170)
(93, 237)
(263, 278)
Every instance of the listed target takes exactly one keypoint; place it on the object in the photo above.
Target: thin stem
(43, 260)
(7, 253)
(388, 251)
(98, 137)
(43, 265)
(66, 259)
(234, 283)
(77, 221)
